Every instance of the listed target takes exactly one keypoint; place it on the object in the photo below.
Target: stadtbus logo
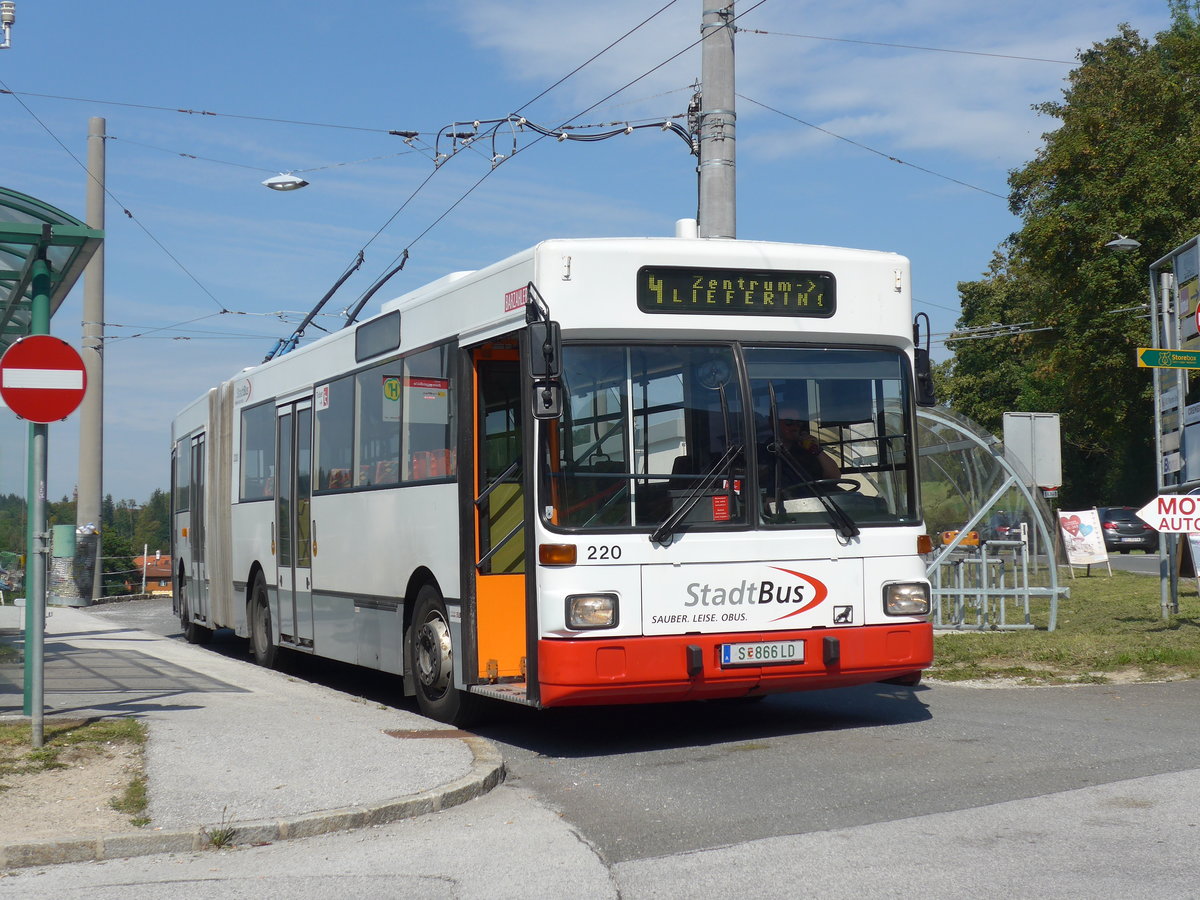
(804, 590)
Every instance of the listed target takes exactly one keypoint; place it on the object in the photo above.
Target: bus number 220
(603, 552)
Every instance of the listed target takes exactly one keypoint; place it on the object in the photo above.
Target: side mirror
(544, 359)
(923, 372)
(546, 399)
(543, 367)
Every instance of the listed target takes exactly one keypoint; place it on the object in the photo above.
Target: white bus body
(384, 496)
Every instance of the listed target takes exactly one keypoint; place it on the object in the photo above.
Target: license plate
(764, 653)
(1130, 540)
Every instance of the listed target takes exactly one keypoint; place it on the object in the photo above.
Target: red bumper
(687, 667)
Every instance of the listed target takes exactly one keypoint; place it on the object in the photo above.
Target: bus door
(197, 587)
(293, 525)
(499, 533)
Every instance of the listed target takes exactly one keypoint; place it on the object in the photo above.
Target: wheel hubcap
(434, 656)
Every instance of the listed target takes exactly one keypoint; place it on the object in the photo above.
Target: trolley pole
(717, 213)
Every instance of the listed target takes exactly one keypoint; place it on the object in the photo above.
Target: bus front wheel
(432, 660)
(262, 646)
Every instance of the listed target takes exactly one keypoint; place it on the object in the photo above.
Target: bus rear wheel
(431, 652)
(193, 632)
(262, 645)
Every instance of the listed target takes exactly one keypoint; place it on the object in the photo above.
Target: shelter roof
(30, 229)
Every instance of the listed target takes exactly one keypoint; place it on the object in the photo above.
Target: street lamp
(1122, 244)
(285, 182)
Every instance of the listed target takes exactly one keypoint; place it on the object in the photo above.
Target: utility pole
(717, 213)
(91, 411)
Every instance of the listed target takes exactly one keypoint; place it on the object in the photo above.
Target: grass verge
(1109, 630)
(79, 738)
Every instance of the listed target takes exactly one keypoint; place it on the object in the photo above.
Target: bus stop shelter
(43, 251)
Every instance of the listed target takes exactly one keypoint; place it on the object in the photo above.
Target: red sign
(42, 378)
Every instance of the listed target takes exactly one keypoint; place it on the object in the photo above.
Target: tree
(1122, 160)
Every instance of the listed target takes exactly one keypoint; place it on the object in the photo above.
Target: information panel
(743, 292)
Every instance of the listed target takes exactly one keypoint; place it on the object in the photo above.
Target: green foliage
(126, 527)
(133, 801)
(1122, 159)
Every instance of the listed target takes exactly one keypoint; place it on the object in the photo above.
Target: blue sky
(910, 153)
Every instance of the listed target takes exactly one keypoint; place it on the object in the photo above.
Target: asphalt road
(641, 782)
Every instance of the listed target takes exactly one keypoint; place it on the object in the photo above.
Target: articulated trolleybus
(598, 472)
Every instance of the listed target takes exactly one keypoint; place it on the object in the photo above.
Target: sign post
(42, 380)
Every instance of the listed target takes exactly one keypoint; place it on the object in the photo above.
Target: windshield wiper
(841, 520)
(707, 480)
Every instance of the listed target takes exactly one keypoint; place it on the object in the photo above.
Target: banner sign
(1082, 537)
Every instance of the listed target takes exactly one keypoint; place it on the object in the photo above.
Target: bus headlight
(906, 598)
(586, 611)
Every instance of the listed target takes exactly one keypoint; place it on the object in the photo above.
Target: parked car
(1124, 531)
(1002, 526)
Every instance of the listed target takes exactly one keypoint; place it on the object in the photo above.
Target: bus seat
(681, 466)
(439, 463)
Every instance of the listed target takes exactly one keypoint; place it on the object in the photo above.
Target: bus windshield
(653, 436)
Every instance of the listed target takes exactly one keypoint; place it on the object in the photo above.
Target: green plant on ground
(133, 801)
(220, 837)
(1108, 629)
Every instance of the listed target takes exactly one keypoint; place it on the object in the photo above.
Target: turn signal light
(556, 554)
(924, 544)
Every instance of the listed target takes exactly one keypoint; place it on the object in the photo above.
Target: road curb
(487, 771)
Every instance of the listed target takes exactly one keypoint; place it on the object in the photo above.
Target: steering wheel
(825, 485)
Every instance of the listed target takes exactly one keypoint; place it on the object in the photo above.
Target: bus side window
(335, 434)
(257, 456)
(428, 410)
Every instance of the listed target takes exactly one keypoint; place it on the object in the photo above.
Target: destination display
(745, 292)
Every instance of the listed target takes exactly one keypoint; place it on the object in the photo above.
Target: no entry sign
(42, 378)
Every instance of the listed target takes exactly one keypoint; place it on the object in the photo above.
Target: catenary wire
(869, 149)
(815, 37)
(111, 196)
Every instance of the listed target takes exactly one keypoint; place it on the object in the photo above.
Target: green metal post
(35, 539)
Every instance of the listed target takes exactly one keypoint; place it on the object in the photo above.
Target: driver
(805, 449)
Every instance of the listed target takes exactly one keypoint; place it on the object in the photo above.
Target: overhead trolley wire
(543, 136)
(869, 149)
(204, 112)
(540, 137)
(111, 196)
(814, 37)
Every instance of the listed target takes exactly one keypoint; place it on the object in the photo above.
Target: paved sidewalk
(234, 745)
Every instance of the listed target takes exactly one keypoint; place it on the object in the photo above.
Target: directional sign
(42, 378)
(1172, 513)
(1156, 358)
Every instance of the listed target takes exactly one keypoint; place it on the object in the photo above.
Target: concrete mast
(717, 213)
